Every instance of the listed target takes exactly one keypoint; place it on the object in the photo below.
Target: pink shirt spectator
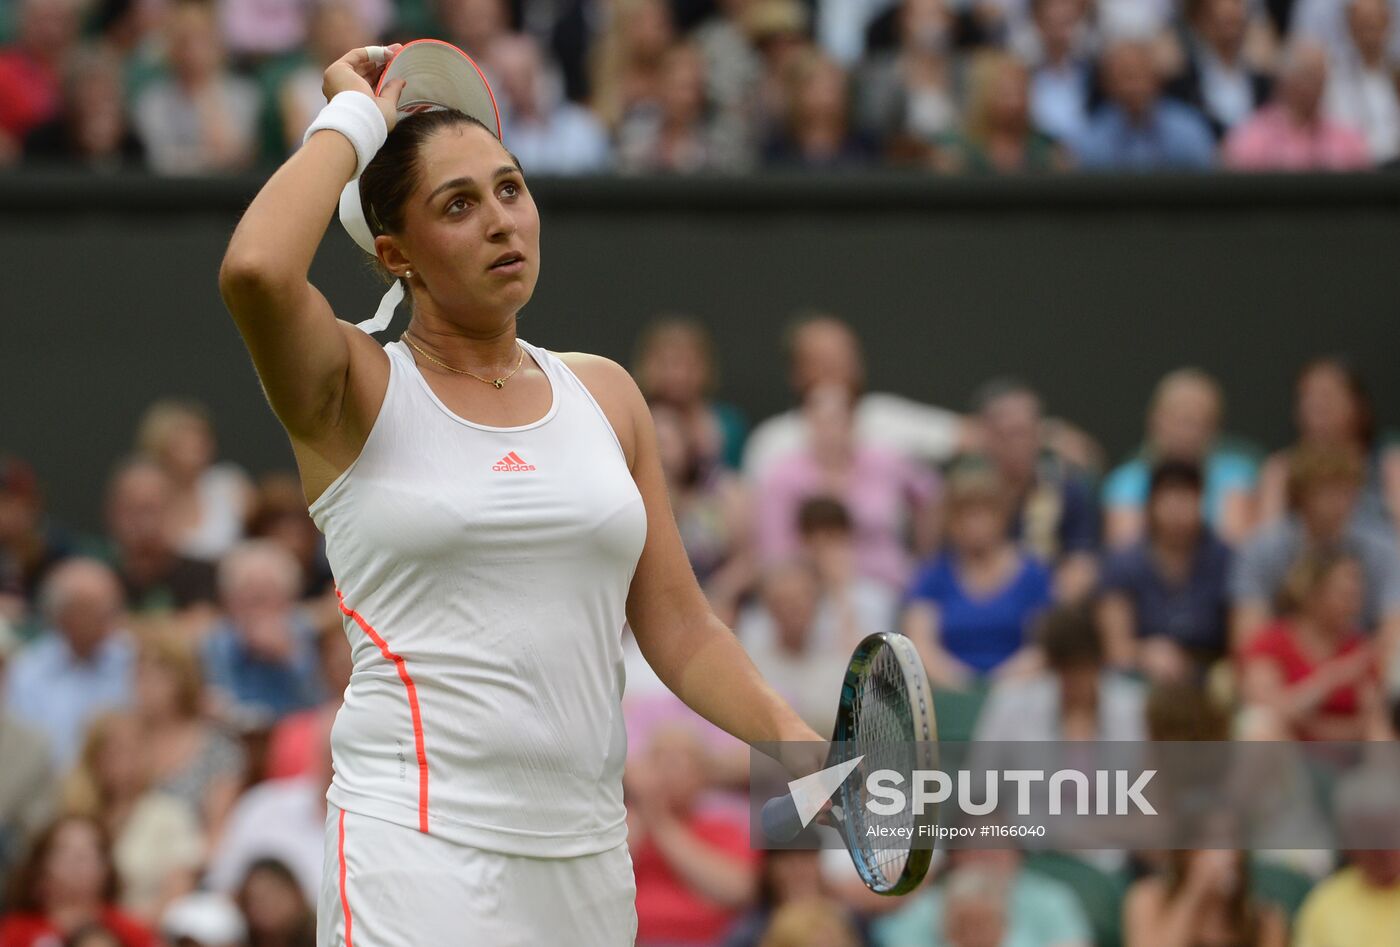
(262, 27)
(1272, 141)
(30, 92)
(882, 492)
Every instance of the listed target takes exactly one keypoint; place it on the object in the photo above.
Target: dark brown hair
(1240, 908)
(1311, 467)
(1355, 385)
(26, 883)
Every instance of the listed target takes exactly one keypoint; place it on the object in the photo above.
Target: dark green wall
(1088, 287)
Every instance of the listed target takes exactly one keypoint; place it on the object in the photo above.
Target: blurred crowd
(168, 685)
(190, 87)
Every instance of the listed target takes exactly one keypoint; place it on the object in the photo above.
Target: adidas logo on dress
(512, 462)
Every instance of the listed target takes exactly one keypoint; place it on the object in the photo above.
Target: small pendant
(499, 382)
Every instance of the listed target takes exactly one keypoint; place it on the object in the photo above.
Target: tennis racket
(885, 716)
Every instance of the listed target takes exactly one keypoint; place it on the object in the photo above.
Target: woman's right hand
(357, 72)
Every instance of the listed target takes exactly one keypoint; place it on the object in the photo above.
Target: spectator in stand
(811, 921)
(1323, 488)
(335, 27)
(778, 29)
(888, 496)
(712, 511)
(279, 514)
(548, 133)
(91, 132)
(1360, 904)
(908, 96)
(200, 118)
(1075, 697)
(80, 666)
(26, 779)
(789, 876)
(292, 747)
(1183, 423)
(1008, 905)
(1137, 129)
(674, 365)
(475, 25)
(211, 499)
(1062, 70)
(628, 59)
(1332, 410)
(31, 71)
(1326, 21)
(732, 64)
(262, 657)
(1361, 86)
(276, 911)
(30, 544)
(805, 671)
(998, 136)
(154, 577)
(1165, 603)
(817, 133)
(970, 608)
(1313, 669)
(1056, 511)
(281, 819)
(192, 759)
(680, 132)
(822, 349)
(134, 31)
(66, 883)
(1216, 77)
(1203, 897)
(843, 27)
(852, 606)
(157, 848)
(694, 870)
(1292, 133)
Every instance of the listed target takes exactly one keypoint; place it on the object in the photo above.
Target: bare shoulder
(599, 370)
(616, 392)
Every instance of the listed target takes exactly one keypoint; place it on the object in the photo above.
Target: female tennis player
(493, 513)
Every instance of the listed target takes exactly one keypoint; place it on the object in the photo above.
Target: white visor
(437, 75)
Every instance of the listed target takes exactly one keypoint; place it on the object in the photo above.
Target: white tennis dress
(482, 575)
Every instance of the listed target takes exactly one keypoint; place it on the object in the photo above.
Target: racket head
(887, 709)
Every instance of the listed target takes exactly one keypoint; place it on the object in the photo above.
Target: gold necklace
(497, 382)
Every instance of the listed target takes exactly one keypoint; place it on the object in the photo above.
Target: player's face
(471, 208)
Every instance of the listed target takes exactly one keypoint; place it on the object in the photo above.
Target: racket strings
(883, 729)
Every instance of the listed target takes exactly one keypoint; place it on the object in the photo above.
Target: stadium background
(1088, 285)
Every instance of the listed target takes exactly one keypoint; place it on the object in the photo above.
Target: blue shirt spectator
(1225, 471)
(1191, 610)
(1171, 135)
(260, 685)
(1137, 129)
(78, 669)
(262, 658)
(549, 134)
(1183, 424)
(1040, 911)
(983, 630)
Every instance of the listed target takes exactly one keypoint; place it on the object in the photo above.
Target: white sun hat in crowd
(436, 75)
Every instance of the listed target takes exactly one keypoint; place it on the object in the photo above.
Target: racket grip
(780, 820)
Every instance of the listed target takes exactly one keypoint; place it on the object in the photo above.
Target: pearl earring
(408, 274)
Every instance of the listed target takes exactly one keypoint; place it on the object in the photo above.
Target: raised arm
(301, 353)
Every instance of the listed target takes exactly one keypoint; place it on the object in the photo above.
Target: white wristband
(357, 117)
